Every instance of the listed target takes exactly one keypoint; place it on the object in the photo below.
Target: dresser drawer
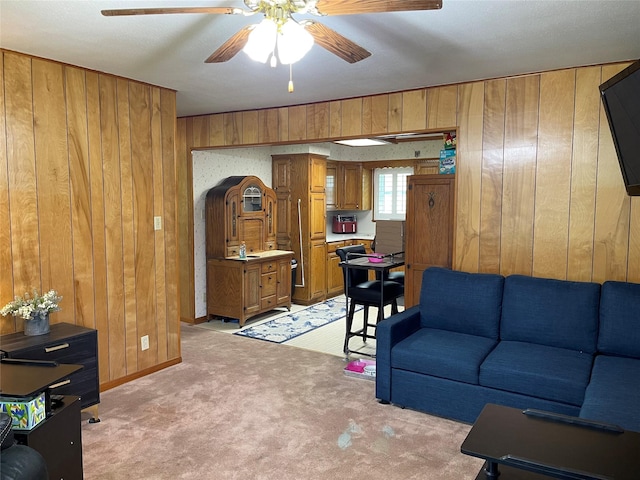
(269, 266)
(268, 284)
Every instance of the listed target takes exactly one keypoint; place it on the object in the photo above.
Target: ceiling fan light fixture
(261, 42)
(294, 42)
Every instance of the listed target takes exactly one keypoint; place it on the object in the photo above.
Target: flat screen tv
(621, 100)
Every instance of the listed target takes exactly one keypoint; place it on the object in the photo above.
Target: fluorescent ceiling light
(362, 142)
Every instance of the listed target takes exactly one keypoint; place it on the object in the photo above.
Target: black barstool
(359, 290)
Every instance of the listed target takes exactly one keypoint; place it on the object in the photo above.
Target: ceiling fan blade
(231, 47)
(162, 11)
(349, 7)
(335, 43)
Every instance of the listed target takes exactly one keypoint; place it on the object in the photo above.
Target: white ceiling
(464, 41)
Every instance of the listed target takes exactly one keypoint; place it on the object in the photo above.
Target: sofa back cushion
(461, 302)
(557, 313)
(620, 319)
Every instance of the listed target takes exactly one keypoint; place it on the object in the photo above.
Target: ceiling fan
(279, 30)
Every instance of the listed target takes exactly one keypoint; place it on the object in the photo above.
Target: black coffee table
(536, 445)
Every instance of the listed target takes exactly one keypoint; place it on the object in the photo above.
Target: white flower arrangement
(32, 305)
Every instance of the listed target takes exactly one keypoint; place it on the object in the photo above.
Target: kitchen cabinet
(429, 229)
(243, 288)
(348, 186)
(301, 223)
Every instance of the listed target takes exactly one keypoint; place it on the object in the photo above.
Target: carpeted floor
(245, 409)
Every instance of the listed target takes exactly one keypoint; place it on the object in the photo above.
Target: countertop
(338, 237)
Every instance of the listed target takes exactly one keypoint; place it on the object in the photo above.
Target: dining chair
(359, 290)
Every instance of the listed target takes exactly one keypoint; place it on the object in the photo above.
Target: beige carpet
(239, 408)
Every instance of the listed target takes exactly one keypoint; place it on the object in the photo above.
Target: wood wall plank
(379, 114)
(414, 110)
(171, 235)
(441, 107)
(553, 174)
(352, 117)
(142, 164)
(584, 164)
(7, 324)
(216, 130)
(232, 128)
(468, 201)
(394, 118)
(317, 121)
(268, 126)
(80, 185)
(52, 176)
(98, 223)
(492, 176)
(25, 246)
(335, 119)
(613, 206)
(297, 123)
(250, 128)
(521, 120)
(113, 227)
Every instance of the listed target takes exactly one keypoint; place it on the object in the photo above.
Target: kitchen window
(390, 193)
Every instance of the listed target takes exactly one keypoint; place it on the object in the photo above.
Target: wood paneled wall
(539, 190)
(87, 162)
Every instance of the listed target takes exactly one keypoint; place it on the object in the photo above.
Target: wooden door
(429, 223)
(252, 296)
(281, 173)
(350, 196)
(317, 216)
(284, 282)
(317, 173)
(318, 275)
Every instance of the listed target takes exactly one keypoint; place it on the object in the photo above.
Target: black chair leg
(394, 306)
(352, 309)
(365, 325)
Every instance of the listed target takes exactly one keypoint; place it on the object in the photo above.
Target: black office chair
(362, 291)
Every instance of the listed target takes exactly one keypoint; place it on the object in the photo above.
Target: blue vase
(37, 325)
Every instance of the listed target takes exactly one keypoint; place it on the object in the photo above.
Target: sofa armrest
(388, 333)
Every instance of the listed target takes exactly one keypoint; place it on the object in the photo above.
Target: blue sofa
(567, 347)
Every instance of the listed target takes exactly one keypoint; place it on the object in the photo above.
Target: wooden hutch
(242, 209)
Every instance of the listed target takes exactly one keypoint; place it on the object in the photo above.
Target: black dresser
(65, 343)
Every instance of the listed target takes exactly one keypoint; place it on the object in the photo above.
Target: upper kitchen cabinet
(240, 209)
(348, 186)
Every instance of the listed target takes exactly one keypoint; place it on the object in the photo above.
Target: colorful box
(25, 413)
(447, 161)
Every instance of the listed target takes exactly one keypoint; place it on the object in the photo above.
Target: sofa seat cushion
(540, 371)
(613, 395)
(441, 353)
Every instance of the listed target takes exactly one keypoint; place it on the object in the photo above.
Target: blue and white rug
(291, 325)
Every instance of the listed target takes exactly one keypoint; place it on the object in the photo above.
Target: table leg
(491, 470)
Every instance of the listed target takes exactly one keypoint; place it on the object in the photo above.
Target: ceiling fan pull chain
(291, 78)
